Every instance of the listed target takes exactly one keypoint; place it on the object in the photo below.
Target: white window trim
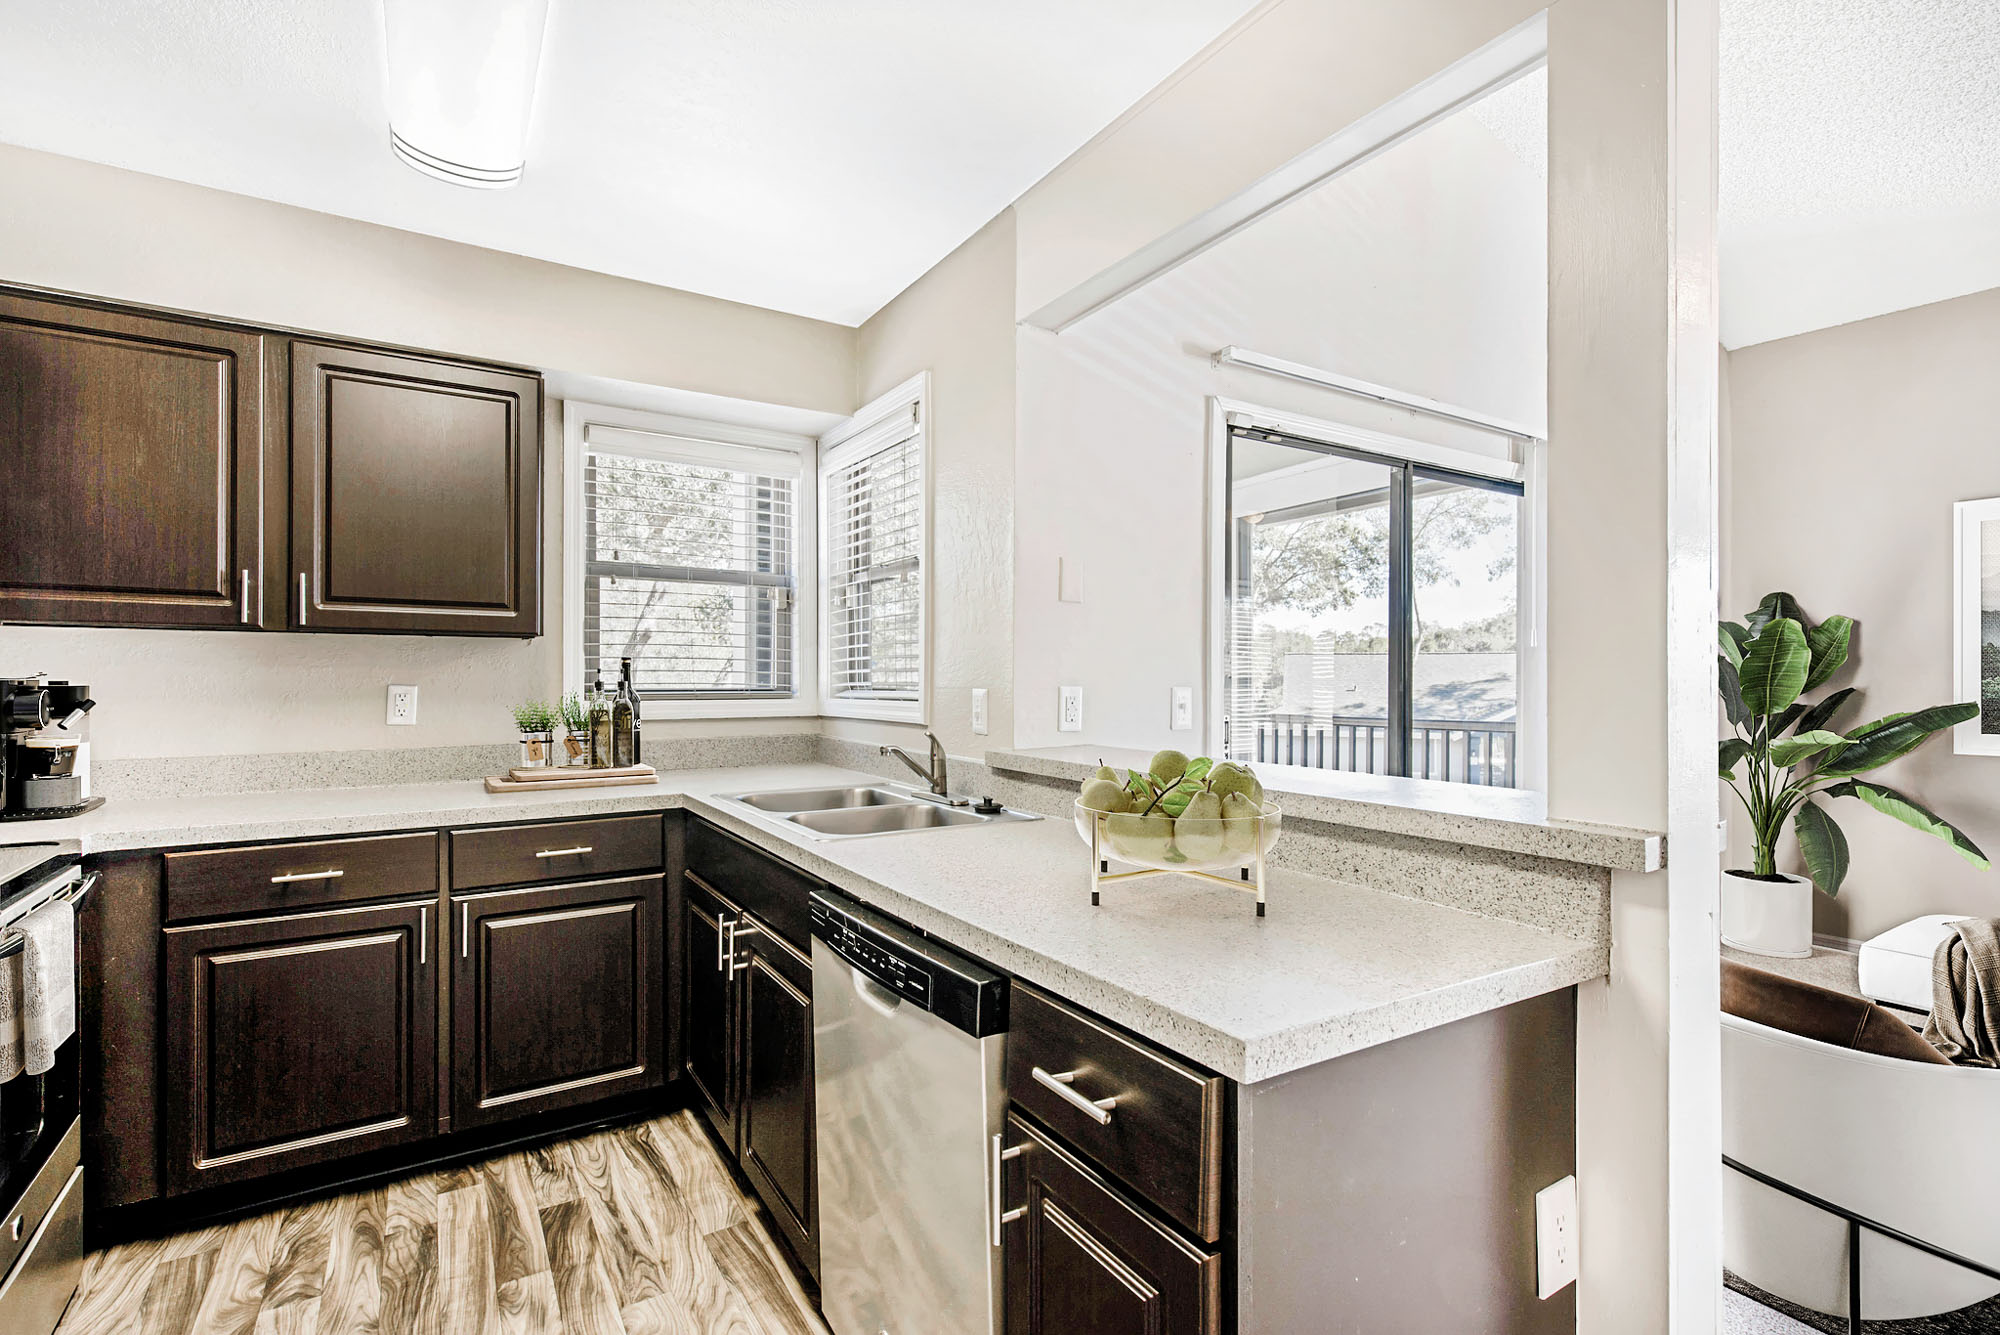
(578, 415)
(1530, 468)
(883, 422)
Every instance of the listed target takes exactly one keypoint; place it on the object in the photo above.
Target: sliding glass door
(1373, 617)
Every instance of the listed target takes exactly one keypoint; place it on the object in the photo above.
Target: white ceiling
(804, 155)
(1860, 148)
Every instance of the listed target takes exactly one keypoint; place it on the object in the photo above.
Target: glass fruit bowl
(1158, 845)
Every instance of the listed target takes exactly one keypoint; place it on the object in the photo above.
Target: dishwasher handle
(873, 995)
(1000, 1215)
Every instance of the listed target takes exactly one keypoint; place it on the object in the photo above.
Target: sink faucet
(935, 774)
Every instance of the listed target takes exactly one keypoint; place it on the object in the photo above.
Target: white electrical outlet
(979, 709)
(1555, 1237)
(1069, 710)
(402, 704)
(1183, 709)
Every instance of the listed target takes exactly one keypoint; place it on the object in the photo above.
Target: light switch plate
(979, 709)
(1555, 1237)
(1069, 710)
(1183, 709)
(1069, 579)
(402, 705)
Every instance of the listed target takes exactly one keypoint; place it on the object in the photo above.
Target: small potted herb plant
(536, 723)
(576, 729)
(1791, 757)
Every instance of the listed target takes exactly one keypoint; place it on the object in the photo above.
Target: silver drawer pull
(563, 852)
(1098, 1110)
(330, 874)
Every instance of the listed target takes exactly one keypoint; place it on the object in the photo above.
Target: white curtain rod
(1312, 375)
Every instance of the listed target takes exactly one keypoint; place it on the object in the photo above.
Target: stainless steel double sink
(865, 809)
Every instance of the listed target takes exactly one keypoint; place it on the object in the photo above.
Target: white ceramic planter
(1767, 917)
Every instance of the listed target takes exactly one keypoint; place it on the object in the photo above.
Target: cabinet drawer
(1080, 1257)
(567, 850)
(1162, 1136)
(779, 894)
(235, 882)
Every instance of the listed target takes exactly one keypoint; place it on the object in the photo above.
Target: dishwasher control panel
(966, 994)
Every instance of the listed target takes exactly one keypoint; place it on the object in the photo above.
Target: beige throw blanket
(1965, 994)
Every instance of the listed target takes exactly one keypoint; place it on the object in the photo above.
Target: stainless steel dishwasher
(907, 1077)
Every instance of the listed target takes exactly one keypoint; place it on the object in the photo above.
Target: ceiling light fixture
(462, 86)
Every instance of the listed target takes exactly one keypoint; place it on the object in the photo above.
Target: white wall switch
(1069, 710)
(402, 704)
(979, 709)
(1182, 717)
(1069, 579)
(1555, 1237)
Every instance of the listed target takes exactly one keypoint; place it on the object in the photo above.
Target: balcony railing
(1453, 750)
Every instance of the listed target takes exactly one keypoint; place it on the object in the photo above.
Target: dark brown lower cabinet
(708, 1019)
(777, 1104)
(296, 1039)
(1082, 1258)
(747, 1053)
(557, 997)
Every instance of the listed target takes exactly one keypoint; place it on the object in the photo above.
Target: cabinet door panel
(777, 1107)
(1081, 1257)
(708, 1007)
(265, 1072)
(416, 493)
(137, 443)
(557, 998)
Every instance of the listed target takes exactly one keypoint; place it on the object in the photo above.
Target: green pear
(1199, 832)
(1230, 777)
(1239, 831)
(1105, 771)
(1105, 795)
(1141, 839)
(1168, 766)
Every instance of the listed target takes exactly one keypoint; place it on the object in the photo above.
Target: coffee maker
(44, 749)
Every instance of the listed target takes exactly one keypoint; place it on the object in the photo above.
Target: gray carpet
(1979, 1319)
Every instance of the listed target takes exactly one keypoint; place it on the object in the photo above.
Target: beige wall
(1848, 447)
(81, 227)
(957, 322)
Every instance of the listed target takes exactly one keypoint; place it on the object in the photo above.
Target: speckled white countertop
(1333, 968)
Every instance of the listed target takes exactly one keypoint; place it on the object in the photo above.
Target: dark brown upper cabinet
(134, 452)
(415, 494)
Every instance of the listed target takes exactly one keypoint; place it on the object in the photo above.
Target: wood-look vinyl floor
(638, 1230)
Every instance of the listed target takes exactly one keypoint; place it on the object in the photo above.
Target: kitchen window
(1378, 605)
(873, 518)
(688, 546)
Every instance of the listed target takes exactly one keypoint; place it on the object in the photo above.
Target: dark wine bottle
(624, 717)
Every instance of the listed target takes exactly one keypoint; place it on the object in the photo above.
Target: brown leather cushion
(1821, 1014)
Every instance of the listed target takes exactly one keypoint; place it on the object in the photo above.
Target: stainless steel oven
(41, 1172)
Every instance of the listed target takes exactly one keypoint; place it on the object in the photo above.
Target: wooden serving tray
(572, 774)
(500, 783)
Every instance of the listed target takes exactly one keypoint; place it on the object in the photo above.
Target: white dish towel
(38, 991)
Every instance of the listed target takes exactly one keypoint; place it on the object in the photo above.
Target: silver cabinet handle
(999, 1217)
(563, 852)
(464, 929)
(724, 947)
(246, 595)
(302, 597)
(1097, 1110)
(739, 929)
(424, 935)
(330, 874)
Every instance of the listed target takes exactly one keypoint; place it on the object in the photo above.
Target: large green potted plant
(1792, 758)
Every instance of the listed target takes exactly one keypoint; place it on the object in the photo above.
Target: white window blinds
(873, 490)
(690, 564)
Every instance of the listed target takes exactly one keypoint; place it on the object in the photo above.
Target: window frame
(577, 417)
(1527, 468)
(874, 427)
